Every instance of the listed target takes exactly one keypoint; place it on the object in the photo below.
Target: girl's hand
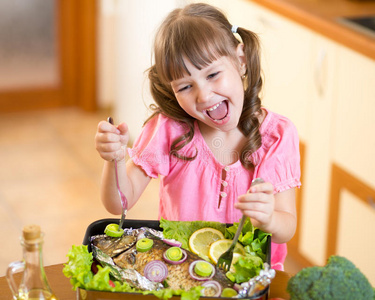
(258, 204)
(111, 140)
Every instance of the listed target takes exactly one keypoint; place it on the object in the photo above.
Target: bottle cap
(31, 233)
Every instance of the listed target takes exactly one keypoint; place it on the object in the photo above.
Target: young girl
(208, 136)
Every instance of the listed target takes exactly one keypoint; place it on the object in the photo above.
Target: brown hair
(201, 33)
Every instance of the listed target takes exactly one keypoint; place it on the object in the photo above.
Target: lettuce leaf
(182, 230)
(253, 238)
(246, 268)
(254, 241)
(78, 269)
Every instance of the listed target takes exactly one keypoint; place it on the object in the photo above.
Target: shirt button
(227, 168)
(224, 183)
(223, 195)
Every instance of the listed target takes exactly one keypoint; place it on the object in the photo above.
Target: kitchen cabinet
(352, 208)
(328, 92)
(352, 214)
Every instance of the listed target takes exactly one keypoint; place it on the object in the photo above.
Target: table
(63, 289)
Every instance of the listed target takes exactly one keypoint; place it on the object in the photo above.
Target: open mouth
(218, 112)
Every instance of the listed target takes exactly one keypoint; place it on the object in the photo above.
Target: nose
(204, 93)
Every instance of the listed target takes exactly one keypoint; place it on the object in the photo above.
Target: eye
(212, 75)
(184, 88)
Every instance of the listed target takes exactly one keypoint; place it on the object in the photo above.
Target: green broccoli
(339, 279)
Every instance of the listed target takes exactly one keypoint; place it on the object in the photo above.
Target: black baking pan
(98, 227)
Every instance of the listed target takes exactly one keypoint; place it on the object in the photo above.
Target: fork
(225, 260)
(124, 201)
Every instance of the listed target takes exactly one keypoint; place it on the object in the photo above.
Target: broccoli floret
(303, 281)
(338, 279)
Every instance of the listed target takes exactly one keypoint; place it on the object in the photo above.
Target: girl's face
(213, 95)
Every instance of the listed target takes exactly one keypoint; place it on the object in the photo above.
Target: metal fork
(124, 201)
(225, 260)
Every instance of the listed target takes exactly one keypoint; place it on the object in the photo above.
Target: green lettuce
(252, 238)
(78, 269)
(246, 268)
(182, 230)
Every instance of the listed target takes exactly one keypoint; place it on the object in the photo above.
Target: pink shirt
(196, 190)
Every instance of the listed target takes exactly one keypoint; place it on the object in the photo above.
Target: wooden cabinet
(354, 120)
(352, 215)
(318, 143)
(352, 206)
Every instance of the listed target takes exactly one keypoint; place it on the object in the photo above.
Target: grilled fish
(113, 246)
(124, 255)
(178, 275)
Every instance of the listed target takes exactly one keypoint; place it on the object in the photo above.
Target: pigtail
(249, 122)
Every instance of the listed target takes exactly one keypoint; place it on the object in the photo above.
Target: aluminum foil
(128, 275)
(256, 284)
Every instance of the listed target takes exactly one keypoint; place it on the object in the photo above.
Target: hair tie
(234, 28)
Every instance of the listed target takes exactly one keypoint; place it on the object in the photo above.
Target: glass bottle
(34, 284)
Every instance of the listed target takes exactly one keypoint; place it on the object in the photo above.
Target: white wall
(126, 32)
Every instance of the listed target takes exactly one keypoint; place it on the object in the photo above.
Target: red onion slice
(172, 242)
(176, 262)
(195, 275)
(214, 285)
(156, 271)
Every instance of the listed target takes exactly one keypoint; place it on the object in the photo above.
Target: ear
(241, 58)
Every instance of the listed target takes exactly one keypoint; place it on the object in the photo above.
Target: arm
(274, 213)
(110, 142)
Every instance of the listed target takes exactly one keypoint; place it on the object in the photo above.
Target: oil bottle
(34, 283)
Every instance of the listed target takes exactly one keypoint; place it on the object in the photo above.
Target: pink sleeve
(278, 160)
(151, 149)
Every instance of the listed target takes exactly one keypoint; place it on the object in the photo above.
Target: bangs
(196, 40)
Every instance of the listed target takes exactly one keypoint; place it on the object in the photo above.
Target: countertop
(321, 16)
(61, 286)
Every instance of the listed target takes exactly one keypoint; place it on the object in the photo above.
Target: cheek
(185, 103)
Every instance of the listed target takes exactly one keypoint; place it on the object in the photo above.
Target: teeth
(214, 107)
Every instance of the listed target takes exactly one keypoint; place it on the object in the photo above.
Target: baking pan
(98, 227)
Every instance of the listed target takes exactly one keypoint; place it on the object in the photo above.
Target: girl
(208, 136)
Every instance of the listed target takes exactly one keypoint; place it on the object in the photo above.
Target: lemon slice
(219, 247)
(201, 240)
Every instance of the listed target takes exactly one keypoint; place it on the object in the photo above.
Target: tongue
(220, 112)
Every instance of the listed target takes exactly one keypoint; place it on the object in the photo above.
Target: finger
(265, 187)
(253, 206)
(104, 126)
(123, 127)
(109, 147)
(254, 197)
(107, 137)
(257, 218)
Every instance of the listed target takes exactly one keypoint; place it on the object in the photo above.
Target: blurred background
(65, 65)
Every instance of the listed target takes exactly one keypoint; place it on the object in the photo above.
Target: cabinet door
(352, 221)
(316, 184)
(354, 139)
